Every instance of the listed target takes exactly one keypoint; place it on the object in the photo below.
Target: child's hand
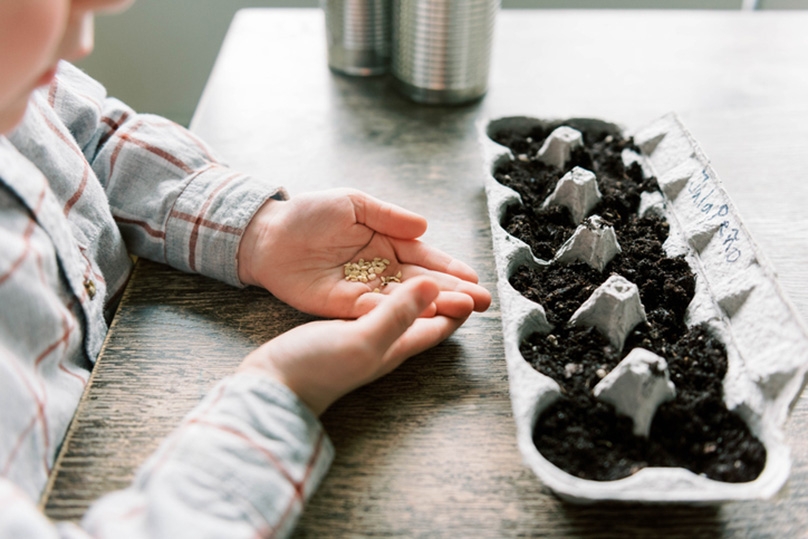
(322, 361)
(297, 250)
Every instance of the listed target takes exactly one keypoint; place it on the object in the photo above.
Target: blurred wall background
(157, 55)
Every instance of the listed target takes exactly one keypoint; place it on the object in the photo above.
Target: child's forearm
(243, 462)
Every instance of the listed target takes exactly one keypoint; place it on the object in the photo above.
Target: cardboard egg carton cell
(737, 295)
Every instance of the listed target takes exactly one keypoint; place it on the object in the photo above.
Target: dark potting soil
(578, 433)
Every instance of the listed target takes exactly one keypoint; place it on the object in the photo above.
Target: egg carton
(737, 294)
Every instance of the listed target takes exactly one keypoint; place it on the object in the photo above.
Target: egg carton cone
(737, 295)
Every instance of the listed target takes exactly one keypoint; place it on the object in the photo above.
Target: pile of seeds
(366, 272)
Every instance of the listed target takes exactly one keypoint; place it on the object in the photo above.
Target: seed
(367, 271)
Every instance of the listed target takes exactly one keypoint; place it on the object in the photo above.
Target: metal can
(359, 36)
(442, 49)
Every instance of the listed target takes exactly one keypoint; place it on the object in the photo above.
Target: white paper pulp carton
(737, 294)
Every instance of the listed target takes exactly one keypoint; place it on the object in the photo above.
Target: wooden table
(430, 450)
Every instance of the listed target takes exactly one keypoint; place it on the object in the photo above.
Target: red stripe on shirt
(62, 340)
(113, 125)
(90, 270)
(177, 436)
(314, 456)
(262, 533)
(198, 222)
(207, 223)
(40, 415)
(113, 159)
(73, 374)
(52, 93)
(72, 145)
(159, 234)
(284, 516)
(29, 231)
(309, 469)
(133, 512)
(20, 440)
(186, 134)
(298, 487)
(125, 137)
(79, 191)
(201, 145)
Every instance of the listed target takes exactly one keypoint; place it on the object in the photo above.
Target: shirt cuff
(208, 220)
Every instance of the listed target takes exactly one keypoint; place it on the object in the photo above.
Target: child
(84, 181)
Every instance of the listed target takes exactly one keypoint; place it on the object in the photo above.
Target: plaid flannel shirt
(84, 181)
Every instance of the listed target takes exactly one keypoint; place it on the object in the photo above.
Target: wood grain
(429, 451)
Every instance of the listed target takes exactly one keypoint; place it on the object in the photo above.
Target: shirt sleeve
(173, 200)
(242, 464)
(20, 517)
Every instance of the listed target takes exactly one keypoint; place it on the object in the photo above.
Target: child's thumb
(391, 318)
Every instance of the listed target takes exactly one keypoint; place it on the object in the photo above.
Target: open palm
(297, 249)
(322, 361)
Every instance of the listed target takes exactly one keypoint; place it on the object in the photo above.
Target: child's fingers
(391, 318)
(449, 283)
(389, 219)
(368, 301)
(422, 335)
(454, 304)
(419, 253)
(448, 303)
